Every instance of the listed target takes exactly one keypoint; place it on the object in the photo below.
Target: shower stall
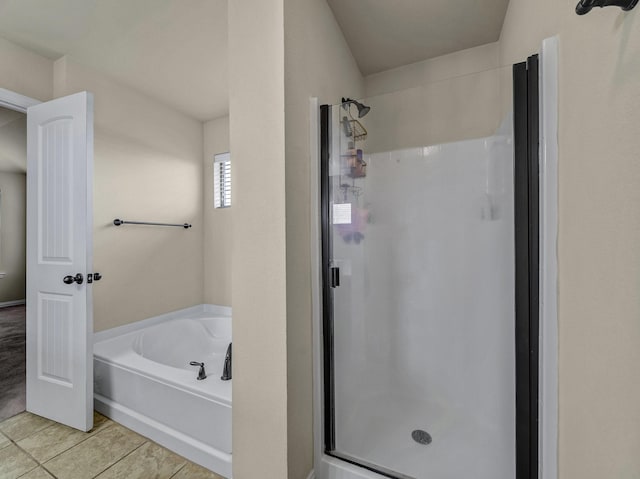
(429, 296)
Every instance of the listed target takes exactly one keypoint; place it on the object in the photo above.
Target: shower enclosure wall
(419, 327)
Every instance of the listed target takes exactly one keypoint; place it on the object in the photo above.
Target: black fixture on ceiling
(585, 6)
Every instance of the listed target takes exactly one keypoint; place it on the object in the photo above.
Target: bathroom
(257, 255)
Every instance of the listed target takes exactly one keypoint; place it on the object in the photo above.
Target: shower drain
(421, 437)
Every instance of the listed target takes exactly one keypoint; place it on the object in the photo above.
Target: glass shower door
(421, 377)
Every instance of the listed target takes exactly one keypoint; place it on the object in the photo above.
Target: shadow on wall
(148, 270)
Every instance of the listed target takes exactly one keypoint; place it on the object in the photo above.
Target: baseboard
(17, 302)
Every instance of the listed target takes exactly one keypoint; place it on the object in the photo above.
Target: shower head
(362, 109)
(585, 6)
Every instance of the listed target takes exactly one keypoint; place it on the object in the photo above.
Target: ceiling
(173, 50)
(384, 34)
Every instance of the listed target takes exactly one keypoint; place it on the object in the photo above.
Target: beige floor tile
(193, 471)
(37, 473)
(57, 438)
(91, 457)
(4, 441)
(14, 463)
(149, 461)
(20, 426)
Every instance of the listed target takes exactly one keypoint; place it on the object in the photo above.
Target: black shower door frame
(526, 129)
(527, 274)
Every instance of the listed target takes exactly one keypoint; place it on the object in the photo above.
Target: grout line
(108, 426)
(30, 470)
(38, 463)
(32, 458)
(77, 443)
(36, 432)
(180, 469)
(28, 435)
(48, 471)
(122, 458)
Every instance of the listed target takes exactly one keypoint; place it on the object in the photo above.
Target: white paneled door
(59, 259)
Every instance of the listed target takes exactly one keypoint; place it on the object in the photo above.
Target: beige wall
(272, 325)
(462, 63)
(599, 232)
(148, 167)
(13, 224)
(526, 24)
(218, 237)
(318, 63)
(450, 98)
(257, 143)
(25, 72)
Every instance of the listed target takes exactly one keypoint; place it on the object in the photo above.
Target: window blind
(222, 180)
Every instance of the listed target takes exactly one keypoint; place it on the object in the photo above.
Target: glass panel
(424, 363)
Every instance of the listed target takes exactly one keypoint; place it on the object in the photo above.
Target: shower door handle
(335, 276)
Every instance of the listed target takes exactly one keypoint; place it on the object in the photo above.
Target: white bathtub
(143, 380)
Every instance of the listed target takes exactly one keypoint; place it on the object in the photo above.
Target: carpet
(12, 361)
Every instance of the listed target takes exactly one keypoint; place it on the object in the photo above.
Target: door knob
(78, 278)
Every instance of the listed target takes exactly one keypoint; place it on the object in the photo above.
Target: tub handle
(201, 373)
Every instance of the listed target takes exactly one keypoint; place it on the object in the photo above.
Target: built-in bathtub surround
(189, 414)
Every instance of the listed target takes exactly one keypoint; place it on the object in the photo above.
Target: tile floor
(32, 447)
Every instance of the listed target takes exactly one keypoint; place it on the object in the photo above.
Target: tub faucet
(226, 370)
(201, 373)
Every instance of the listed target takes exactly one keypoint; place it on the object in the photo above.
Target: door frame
(326, 466)
(526, 175)
(20, 103)
(15, 101)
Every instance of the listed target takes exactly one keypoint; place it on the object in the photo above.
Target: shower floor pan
(379, 432)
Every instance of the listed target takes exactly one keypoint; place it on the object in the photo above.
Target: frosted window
(222, 180)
